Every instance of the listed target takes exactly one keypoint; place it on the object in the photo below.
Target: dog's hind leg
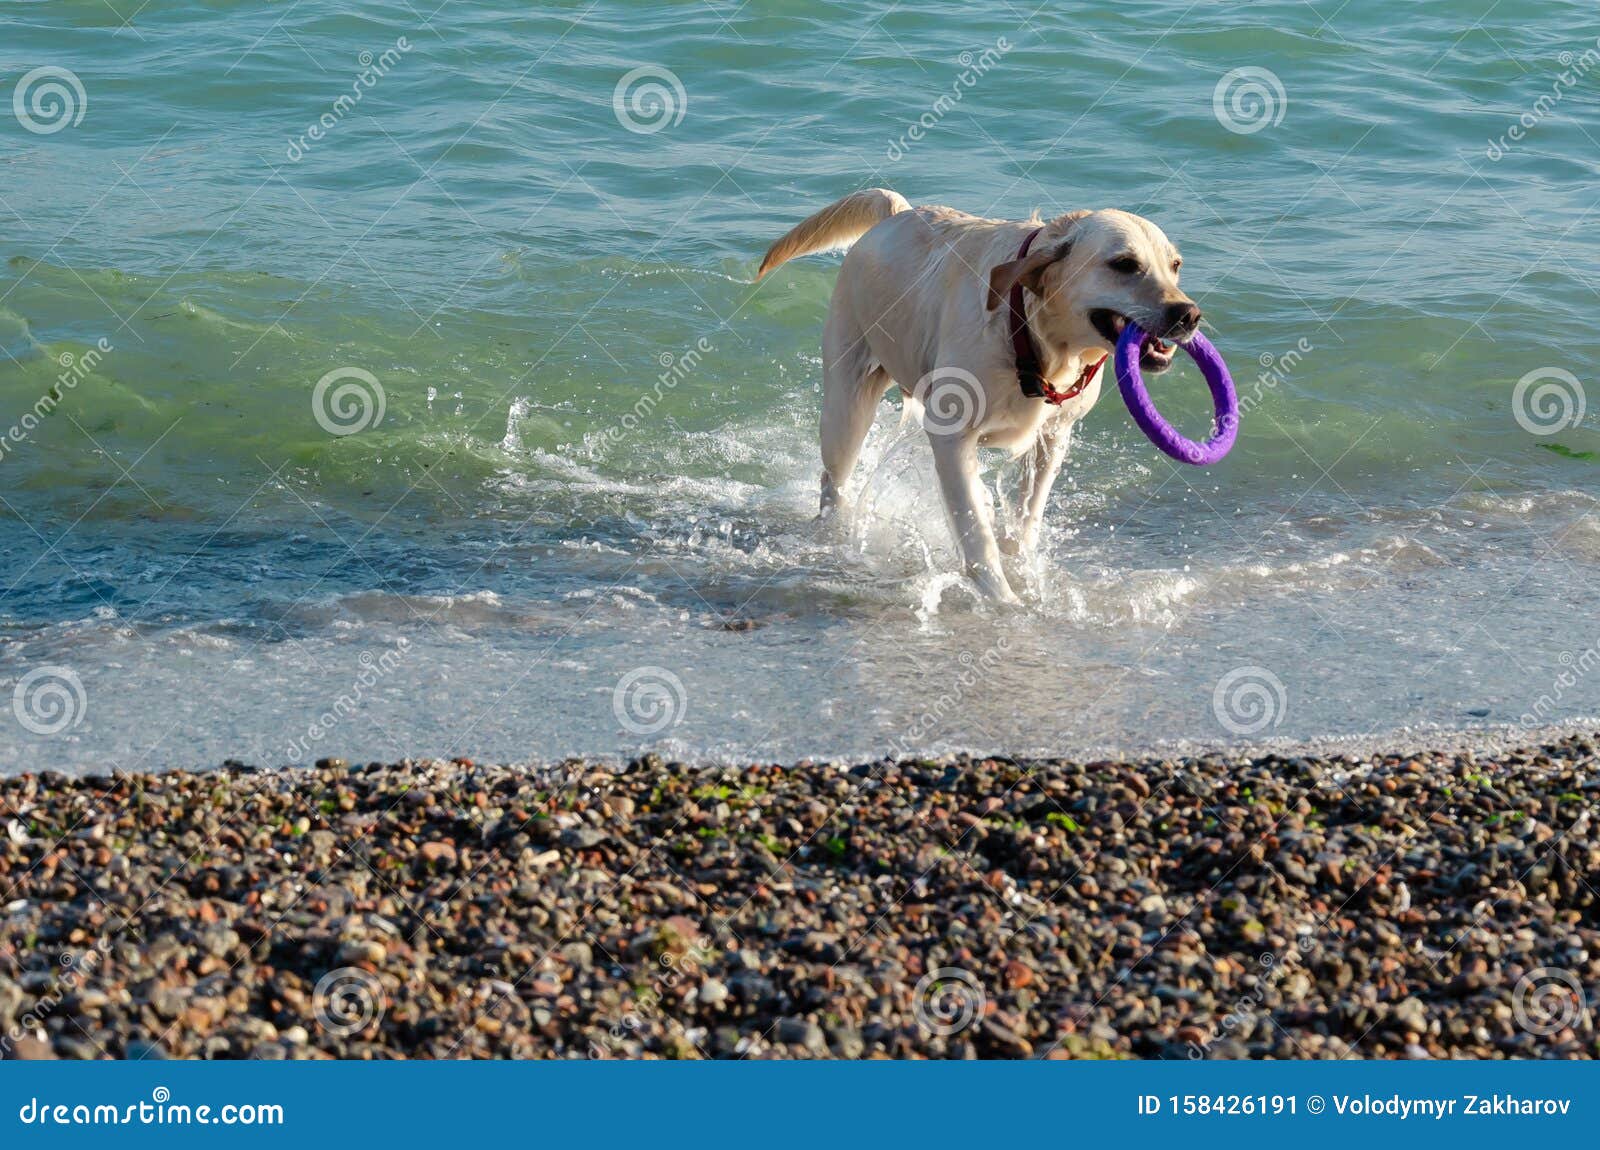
(852, 387)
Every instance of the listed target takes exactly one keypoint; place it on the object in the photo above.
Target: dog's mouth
(1155, 357)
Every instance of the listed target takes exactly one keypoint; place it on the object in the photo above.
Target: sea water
(387, 379)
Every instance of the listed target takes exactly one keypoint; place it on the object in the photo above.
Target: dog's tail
(838, 225)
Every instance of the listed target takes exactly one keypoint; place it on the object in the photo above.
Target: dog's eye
(1127, 265)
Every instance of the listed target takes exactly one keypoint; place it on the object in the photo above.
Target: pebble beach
(1427, 906)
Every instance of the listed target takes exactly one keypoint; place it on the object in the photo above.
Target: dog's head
(1095, 271)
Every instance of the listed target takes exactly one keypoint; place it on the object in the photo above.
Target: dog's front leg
(1039, 473)
(955, 458)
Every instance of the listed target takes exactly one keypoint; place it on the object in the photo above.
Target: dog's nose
(1183, 319)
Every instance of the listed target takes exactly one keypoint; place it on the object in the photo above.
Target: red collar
(1030, 372)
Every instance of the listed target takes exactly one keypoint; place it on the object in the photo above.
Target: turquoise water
(503, 566)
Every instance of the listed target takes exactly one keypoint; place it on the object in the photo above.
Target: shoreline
(1430, 904)
(1488, 740)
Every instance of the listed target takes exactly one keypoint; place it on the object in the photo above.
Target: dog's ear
(1025, 271)
(1031, 267)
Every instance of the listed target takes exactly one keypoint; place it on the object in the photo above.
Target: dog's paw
(836, 513)
(994, 587)
(1014, 545)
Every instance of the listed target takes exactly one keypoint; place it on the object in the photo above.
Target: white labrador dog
(997, 338)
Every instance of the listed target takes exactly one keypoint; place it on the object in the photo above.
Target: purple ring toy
(1144, 413)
